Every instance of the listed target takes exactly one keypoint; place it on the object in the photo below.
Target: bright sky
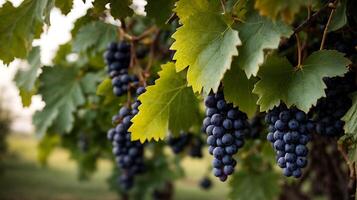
(58, 33)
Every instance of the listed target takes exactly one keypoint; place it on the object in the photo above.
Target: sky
(53, 36)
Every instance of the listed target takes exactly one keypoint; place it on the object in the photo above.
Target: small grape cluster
(256, 127)
(330, 109)
(117, 57)
(226, 127)
(179, 144)
(289, 133)
(205, 183)
(129, 154)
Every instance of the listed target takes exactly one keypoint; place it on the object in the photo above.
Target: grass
(24, 179)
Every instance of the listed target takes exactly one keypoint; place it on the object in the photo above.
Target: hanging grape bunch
(129, 154)
(330, 109)
(117, 58)
(289, 133)
(226, 127)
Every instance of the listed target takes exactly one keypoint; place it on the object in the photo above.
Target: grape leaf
(19, 26)
(169, 105)
(187, 8)
(238, 89)
(254, 185)
(258, 33)
(339, 18)
(64, 5)
(120, 9)
(160, 10)
(215, 43)
(25, 78)
(302, 88)
(351, 117)
(282, 9)
(95, 34)
(62, 91)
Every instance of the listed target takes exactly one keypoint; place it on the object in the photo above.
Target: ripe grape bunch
(129, 154)
(289, 131)
(179, 144)
(117, 57)
(226, 127)
(330, 109)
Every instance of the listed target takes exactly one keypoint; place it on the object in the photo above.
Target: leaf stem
(333, 7)
(308, 21)
(298, 50)
(223, 6)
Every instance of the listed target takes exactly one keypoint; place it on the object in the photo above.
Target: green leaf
(19, 26)
(61, 89)
(215, 43)
(25, 78)
(350, 117)
(255, 186)
(238, 89)
(64, 5)
(95, 35)
(302, 88)
(160, 10)
(104, 87)
(339, 18)
(169, 105)
(281, 9)
(257, 34)
(120, 9)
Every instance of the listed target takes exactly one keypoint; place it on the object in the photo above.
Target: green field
(22, 178)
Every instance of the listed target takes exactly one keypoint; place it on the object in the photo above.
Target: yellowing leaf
(302, 88)
(186, 8)
(205, 43)
(169, 105)
(257, 34)
(283, 9)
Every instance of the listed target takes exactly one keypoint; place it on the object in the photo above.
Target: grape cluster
(289, 133)
(196, 148)
(226, 127)
(129, 154)
(179, 144)
(205, 183)
(256, 127)
(117, 57)
(330, 109)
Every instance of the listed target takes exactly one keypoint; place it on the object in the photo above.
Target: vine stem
(345, 157)
(311, 18)
(333, 8)
(223, 6)
(298, 50)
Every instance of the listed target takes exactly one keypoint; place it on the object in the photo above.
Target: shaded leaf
(350, 117)
(302, 88)
(255, 185)
(95, 35)
(160, 10)
(25, 78)
(64, 5)
(257, 34)
(238, 90)
(62, 92)
(339, 18)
